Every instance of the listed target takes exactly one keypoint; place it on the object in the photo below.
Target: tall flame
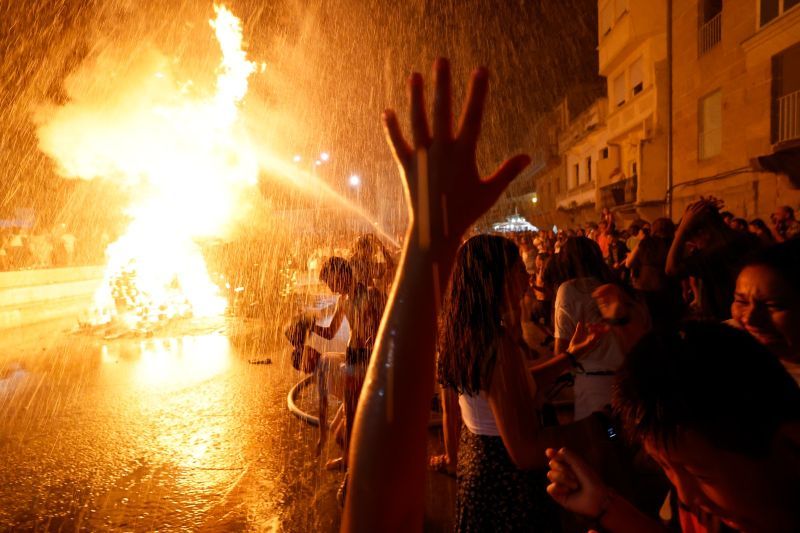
(190, 160)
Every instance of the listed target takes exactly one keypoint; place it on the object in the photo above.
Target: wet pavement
(174, 432)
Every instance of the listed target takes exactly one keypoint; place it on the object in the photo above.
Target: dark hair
(741, 224)
(709, 378)
(726, 214)
(783, 259)
(762, 226)
(663, 227)
(581, 257)
(335, 267)
(470, 318)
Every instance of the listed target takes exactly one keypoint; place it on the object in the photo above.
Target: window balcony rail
(620, 193)
(709, 34)
(789, 117)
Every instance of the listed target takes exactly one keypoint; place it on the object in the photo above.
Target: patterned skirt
(494, 495)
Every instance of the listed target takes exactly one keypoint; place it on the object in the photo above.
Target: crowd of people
(23, 248)
(595, 292)
(682, 340)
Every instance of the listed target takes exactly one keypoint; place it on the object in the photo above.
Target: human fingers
(563, 469)
(580, 469)
(559, 492)
(442, 111)
(563, 478)
(394, 136)
(504, 175)
(419, 119)
(469, 128)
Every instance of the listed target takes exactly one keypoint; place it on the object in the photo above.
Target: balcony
(619, 194)
(709, 34)
(788, 117)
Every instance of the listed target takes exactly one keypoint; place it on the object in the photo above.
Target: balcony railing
(709, 34)
(619, 193)
(789, 117)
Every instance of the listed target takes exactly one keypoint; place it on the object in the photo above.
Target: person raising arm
(446, 195)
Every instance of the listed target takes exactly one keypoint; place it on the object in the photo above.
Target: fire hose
(291, 402)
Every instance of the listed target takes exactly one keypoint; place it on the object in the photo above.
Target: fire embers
(138, 309)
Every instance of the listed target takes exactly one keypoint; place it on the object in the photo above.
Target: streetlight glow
(324, 156)
(354, 180)
(297, 158)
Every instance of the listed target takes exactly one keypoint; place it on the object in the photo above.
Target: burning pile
(186, 155)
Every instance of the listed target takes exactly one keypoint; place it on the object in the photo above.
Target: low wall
(30, 297)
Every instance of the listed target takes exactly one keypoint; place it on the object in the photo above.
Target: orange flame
(190, 160)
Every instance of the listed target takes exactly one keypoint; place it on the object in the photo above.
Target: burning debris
(189, 160)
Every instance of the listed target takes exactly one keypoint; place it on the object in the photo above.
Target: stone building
(727, 123)
(736, 98)
(632, 50)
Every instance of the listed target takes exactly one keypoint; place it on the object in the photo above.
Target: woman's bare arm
(446, 195)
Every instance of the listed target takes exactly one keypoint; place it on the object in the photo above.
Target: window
(632, 168)
(619, 90)
(769, 10)
(709, 127)
(637, 76)
(589, 168)
(709, 9)
(709, 31)
(786, 95)
(604, 153)
(576, 175)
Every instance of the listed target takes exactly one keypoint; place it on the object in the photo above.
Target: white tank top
(477, 415)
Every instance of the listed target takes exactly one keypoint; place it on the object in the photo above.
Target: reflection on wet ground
(170, 432)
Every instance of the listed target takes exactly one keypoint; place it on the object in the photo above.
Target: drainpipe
(669, 109)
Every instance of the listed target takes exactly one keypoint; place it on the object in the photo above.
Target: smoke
(114, 103)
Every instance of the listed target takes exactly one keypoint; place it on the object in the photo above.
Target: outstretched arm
(446, 195)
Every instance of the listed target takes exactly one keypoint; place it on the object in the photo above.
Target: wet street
(179, 431)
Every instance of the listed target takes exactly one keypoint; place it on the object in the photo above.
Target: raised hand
(585, 338)
(446, 195)
(696, 212)
(445, 190)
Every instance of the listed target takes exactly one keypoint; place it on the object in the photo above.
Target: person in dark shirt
(721, 417)
(718, 254)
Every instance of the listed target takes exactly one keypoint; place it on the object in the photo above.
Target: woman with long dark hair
(481, 361)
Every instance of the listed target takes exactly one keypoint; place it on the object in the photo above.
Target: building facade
(580, 143)
(702, 99)
(736, 98)
(632, 50)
